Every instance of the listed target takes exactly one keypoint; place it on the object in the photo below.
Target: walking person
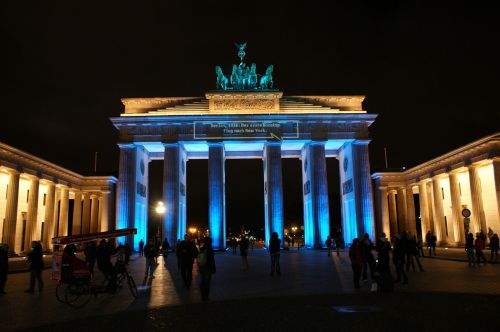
(398, 258)
(356, 257)
(206, 267)
(431, 239)
(141, 248)
(104, 253)
(188, 253)
(368, 259)
(35, 257)
(4, 267)
(479, 245)
(494, 244)
(149, 254)
(469, 249)
(328, 244)
(274, 251)
(244, 244)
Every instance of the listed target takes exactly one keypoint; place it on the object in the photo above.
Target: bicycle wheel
(61, 291)
(132, 286)
(78, 294)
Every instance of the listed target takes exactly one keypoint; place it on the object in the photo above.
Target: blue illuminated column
(273, 191)
(315, 195)
(174, 224)
(126, 188)
(216, 195)
(363, 188)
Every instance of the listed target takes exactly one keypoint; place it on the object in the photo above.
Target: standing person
(328, 244)
(35, 257)
(128, 253)
(420, 247)
(428, 240)
(412, 254)
(141, 248)
(398, 258)
(494, 244)
(433, 243)
(244, 244)
(4, 267)
(165, 247)
(479, 249)
(490, 235)
(234, 245)
(274, 251)
(188, 253)
(384, 277)
(150, 260)
(293, 240)
(104, 253)
(338, 241)
(178, 253)
(356, 257)
(368, 259)
(469, 249)
(90, 255)
(206, 266)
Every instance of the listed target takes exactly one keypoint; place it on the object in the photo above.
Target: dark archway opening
(293, 202)
(245, 197)
(334, 195)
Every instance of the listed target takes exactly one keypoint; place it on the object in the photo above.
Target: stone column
(363, 188)
(411, 223)
(273, 190)
(171, 192)
(496, 174)
(439, 225)
(63, 212)
(10, 223)
(31, 220)
(456, 208)
(57, 208)
(424, 208)
(383, 224)
(106, 209)
(393, 215)
(216, 195)
(86, 213)
(430, 200)
(478, 217)
(48, 222)
(401, 202)
(77, 213)
(126, 189)
(94, 213)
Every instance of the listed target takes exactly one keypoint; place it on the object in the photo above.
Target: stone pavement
(304, 274)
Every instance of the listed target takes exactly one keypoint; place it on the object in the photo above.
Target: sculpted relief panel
(243, 105)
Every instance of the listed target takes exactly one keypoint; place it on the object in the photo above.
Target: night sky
(431, 73)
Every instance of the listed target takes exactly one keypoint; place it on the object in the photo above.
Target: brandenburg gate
(246, 118)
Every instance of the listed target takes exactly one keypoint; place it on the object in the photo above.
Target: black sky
(431, 73)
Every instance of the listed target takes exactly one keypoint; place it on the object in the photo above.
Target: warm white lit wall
(22, 206)
(489, 197)
(4, 180)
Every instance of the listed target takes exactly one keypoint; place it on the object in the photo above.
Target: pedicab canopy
(63, 240)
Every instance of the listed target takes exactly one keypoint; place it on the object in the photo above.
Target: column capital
(362, 141)
(170, 144)
(215, 143)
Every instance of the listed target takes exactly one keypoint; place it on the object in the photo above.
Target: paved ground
(447, 294)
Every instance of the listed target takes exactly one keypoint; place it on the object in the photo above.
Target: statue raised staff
(266, 81)
(221, 79)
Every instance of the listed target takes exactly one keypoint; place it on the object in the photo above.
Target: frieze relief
(243, 104)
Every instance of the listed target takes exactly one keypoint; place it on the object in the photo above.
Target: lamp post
(160, 211)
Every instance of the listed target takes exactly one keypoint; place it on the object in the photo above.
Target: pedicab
(74, 278)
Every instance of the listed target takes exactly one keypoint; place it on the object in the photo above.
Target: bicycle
(76, 290)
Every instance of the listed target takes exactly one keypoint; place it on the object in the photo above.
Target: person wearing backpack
(206, 267)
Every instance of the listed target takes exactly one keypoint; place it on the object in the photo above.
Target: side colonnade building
(40, 200)
(465, 178)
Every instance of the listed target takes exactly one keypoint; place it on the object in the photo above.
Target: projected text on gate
(246, 129)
